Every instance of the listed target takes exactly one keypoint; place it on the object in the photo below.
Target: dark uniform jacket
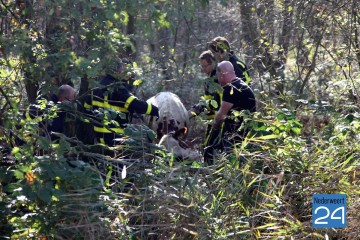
(111, 106)
(50, 117)
(242, 97)
(241, 70)
(240, 94)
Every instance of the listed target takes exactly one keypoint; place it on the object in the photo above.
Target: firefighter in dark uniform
(51, 116)
(221, 49)
(209, 102)
(237, 96)
(112, 105)
(212, 90)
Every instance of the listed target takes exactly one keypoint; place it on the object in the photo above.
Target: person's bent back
(112, 105)
(237, 97)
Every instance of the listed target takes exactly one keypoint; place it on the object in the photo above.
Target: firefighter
(51, 116)
(209, 102)
(112, 104)
(211, 99)
(237, 97)
(221, 49)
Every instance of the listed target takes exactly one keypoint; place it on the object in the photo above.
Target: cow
(172, 123)
(172, 142)
(172, 114)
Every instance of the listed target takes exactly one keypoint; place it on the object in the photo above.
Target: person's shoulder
(227, 87)
(239, 81)
(240, 84)
(236, 61)
(233, 58)
(106, 80)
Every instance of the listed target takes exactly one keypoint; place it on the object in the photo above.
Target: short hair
(118, 65)
(219, 44)
(208, 56)
(66, 92)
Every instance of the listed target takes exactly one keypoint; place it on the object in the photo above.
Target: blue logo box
(329, 210)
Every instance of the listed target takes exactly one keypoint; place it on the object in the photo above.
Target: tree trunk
(131, 31)
(264, 60)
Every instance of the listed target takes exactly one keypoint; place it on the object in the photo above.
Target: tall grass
(261, 189)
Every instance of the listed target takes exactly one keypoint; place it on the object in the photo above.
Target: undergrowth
(261, 189)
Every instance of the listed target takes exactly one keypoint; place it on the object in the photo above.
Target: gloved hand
(197, 109)
(155, 112)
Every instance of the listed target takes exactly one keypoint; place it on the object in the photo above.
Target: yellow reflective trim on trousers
(208, 137)
(108, 130)
(102, 141)
(219, 137)
(209, 117)
(128, 101)
(149, 108)
(221, 132)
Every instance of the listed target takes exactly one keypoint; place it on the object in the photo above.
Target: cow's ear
(180, 132)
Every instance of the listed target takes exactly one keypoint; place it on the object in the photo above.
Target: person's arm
(141, 107)
(221, 114)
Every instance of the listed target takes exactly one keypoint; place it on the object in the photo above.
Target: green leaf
(163, 22)
(15, 150)
(18, 174)
(45, 195)
(82, 63)
(124, 17)
(296, 130)
(196, 164)
(349, 118)
(253, 181)
(44, 143)
(214, 103)
(108, 176)
(272, 136)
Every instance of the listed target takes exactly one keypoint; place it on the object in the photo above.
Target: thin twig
(9, 10)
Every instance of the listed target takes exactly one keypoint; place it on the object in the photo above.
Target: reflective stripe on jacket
(112, 105)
